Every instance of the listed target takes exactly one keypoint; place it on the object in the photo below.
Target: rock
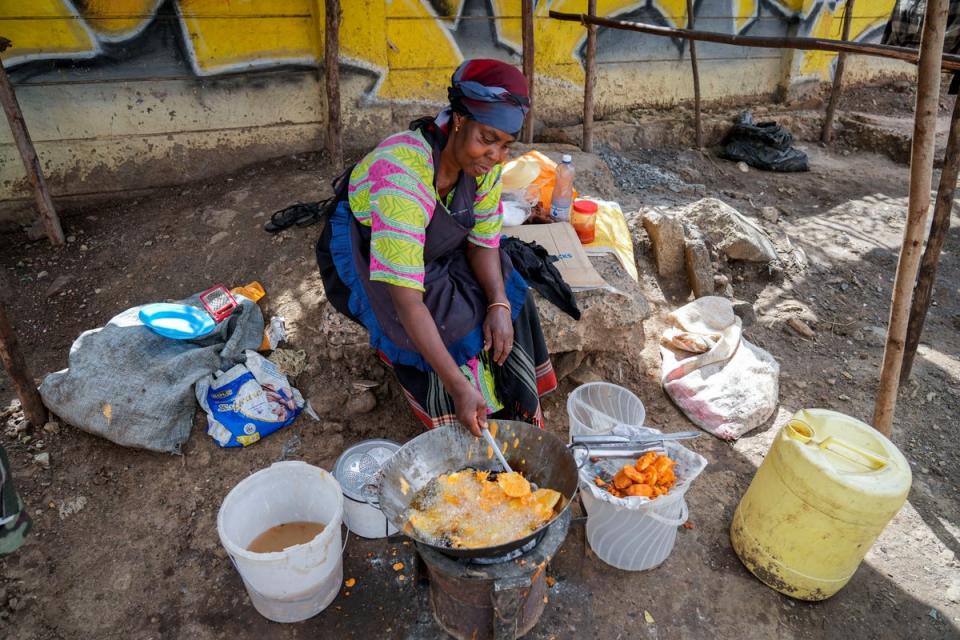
(148, 243)
(365, 385)
(36, 231)
(729, 231)
(361, 403)
(770, 214)
(666, 236)
(875, 336)
(801, 327)
(743, 167)
(566, 363)
(42, 275)
(585, 375)
(745, 311)
(721, 280)
(220, 218)
(609, 321)
(953, 592)
(42, 460)
(72, 506)
(59, 284)
(217, 237)
(697, 260)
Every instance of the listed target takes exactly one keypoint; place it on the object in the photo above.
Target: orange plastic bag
(547, 178)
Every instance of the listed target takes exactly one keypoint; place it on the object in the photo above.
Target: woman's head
(488, 100)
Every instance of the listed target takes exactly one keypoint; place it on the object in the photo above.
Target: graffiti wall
(199, 86)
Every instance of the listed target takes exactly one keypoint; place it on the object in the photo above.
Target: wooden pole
(921, 173)
(827, 132)
(16, 366)
(950, 62)
(331, 67)
(526, 10)
(698, 123)
(48, 215)
(938, 233)
(590, 79)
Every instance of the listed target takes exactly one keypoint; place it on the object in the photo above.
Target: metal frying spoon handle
(496, 449)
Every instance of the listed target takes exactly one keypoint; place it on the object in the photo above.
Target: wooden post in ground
(526, 20)
(16, 366)
(48, 215)
(826, 133)
(921, 173)
(697, 121)
(331, 67)
(931, 255)
(590, 79)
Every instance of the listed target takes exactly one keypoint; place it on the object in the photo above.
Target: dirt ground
(125, 544)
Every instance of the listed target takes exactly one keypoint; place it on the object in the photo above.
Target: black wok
(542, 458)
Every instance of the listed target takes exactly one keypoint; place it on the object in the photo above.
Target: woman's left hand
(498, 333)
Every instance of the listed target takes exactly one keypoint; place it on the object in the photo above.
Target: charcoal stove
(497, 598)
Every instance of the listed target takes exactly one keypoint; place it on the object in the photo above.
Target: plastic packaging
(825, 491)
(248, 402)
(563, 190)
(300, 581)
(584, 220)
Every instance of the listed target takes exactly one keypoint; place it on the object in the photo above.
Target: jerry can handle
(805, 433)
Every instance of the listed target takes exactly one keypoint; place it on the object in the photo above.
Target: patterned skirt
(513, 390)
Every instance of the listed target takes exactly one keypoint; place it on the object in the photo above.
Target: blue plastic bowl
(177, 321)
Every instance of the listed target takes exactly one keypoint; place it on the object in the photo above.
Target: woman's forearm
(485, 263)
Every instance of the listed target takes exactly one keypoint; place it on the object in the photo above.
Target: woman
(411, 252)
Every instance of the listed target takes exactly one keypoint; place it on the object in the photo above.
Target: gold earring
(456, 128)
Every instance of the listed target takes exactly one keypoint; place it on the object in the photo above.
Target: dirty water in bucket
(284, 536)
(299, 581)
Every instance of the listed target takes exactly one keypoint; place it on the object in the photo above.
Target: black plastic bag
(764, 145)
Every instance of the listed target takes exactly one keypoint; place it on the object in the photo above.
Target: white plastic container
(356, 470)
(597, 408)
(301, 581)
(635, 534)
(634, 540)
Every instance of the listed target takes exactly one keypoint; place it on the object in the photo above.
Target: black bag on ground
(764, 145)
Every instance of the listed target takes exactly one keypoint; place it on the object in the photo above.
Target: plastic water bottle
(563, 190)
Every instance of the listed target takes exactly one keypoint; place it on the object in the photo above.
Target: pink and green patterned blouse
(392, 192)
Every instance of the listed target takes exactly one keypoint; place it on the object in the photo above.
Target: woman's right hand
(471, 408)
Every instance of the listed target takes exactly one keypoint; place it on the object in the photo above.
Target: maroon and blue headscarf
(491, 92)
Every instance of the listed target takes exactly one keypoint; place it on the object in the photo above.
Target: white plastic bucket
(597, 408)
(299, 582)
(634, 540)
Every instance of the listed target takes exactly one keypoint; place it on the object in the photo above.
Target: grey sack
(134, 387)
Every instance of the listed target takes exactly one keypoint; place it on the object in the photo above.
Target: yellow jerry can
(825, 491)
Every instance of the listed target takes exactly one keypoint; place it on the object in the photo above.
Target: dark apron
(455, 299)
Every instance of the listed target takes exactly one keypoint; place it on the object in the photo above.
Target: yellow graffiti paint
(746, 11)
(241, 35)
(829, 24)
(43, 29)
(417, 42)
(118, 19)
(558, 43)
